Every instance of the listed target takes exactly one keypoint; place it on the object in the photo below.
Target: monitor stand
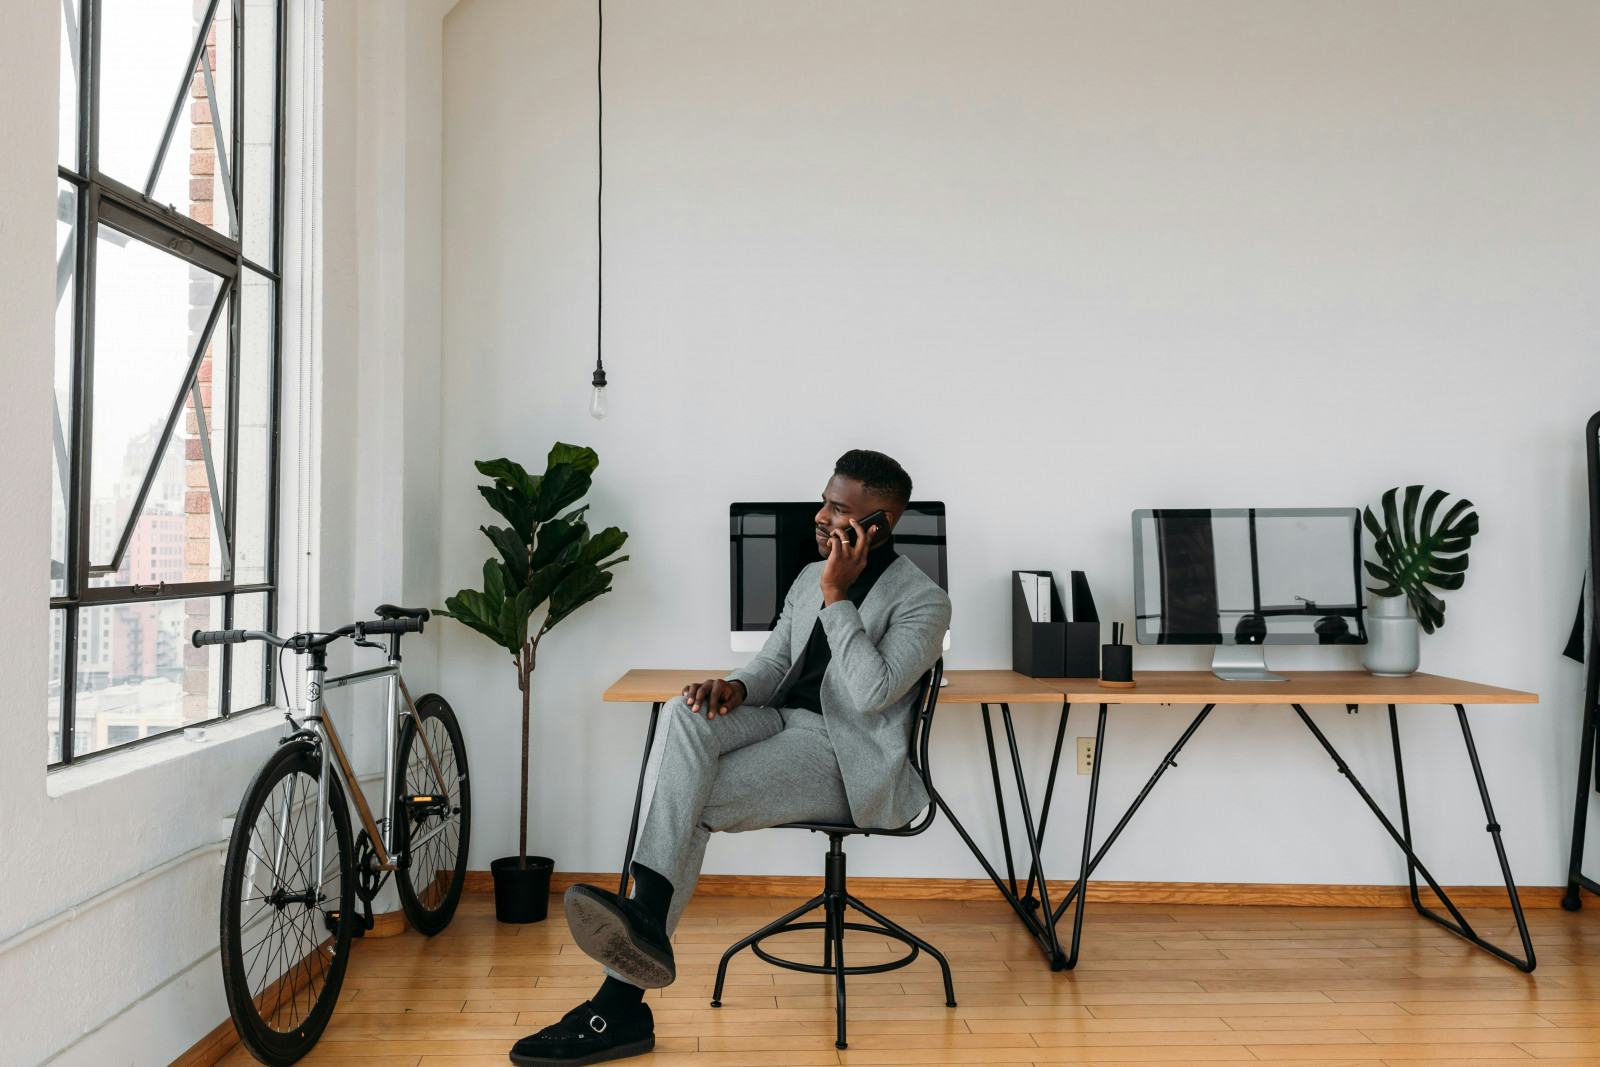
(1242, 663)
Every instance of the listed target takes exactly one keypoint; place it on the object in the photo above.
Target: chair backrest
(923, 707)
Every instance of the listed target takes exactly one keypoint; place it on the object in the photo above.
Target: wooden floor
(1158, 984)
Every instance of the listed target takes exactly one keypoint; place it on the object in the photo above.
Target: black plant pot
(522, 895)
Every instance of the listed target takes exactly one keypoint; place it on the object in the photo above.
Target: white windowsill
(175, 746)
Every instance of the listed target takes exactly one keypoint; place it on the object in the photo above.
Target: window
(164, 465)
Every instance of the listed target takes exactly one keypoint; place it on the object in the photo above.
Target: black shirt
(807, 689)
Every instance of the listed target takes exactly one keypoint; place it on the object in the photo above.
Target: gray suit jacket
(879, 653)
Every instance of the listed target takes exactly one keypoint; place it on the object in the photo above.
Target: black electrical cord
(600, 191)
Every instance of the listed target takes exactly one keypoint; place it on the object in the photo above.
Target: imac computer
(769, 544)
(1243, 578)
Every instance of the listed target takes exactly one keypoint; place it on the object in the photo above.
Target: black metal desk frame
(1040, 919)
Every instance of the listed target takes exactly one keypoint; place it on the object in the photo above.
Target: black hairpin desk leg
(1457, 923)
(638, 797)
(1088, 864)
(1035, 919)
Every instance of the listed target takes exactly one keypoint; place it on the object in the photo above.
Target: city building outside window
(165, 422)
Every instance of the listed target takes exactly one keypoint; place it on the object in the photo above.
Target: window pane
(255, 428)
(61, 416)
(249, 682)
(150, 312)
(67, 138)
(260, 127)
(144, 47)
(137, 669)
(58, 655)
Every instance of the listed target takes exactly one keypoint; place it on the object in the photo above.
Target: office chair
(1588, 769)
(835, 897)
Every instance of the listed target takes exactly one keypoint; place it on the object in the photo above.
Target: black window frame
(104, 200)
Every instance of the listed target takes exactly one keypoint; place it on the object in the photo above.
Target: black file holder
(1058, 649)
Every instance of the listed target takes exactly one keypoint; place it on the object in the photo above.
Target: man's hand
(845, 562)
(717, 696)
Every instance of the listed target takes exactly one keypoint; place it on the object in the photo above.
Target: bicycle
(293, 871)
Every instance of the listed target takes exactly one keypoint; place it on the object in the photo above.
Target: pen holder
(1116, 665)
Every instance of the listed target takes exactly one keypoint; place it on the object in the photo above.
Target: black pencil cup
(1116, 663)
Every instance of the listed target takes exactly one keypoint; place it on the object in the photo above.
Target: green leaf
(1416, 551)
(554, 536)
(513, 551)
(512, 473)
(494, 581)
(511, 506)
(577, 589)
(567, 477)
(473, 609)
(602, 545)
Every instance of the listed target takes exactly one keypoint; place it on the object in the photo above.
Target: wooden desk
(1349, 688)
(1003, 688)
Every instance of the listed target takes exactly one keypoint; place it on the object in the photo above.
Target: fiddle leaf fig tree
(1414, 553)
(544, 559)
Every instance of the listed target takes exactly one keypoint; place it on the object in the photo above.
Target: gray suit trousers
(751, 768)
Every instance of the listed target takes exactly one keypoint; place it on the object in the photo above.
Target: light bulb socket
(599, 377)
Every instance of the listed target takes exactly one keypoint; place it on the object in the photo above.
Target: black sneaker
(620, 934)
(585, 1036)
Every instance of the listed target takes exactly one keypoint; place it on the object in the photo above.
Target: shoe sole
(637, 1048)
(606, 935)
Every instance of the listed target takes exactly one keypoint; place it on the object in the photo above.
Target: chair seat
(840, 828)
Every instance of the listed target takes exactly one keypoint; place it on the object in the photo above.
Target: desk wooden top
(1154, 687)
(1303, 687)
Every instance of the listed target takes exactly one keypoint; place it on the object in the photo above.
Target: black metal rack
(1588, 770)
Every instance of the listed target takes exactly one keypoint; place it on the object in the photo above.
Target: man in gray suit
(815, 728)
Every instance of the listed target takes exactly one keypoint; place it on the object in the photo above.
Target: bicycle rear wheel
(286, 928)
(433, 815)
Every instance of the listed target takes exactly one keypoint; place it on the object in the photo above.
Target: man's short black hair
(878, 473)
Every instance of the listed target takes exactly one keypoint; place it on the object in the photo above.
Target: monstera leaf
(1415, 552)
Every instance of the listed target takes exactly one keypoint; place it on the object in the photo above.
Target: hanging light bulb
(597, 399)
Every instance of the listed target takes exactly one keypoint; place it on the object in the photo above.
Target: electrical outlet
(1085, 755)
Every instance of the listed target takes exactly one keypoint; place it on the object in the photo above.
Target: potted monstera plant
(546, 563)
(1415, 551)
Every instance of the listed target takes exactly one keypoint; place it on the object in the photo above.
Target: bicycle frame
(335, 760)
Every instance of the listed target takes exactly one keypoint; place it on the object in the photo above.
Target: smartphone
(877, 518)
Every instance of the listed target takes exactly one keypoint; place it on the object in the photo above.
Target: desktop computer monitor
(770, 543)
(1242, 578)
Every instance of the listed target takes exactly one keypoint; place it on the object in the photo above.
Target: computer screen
(1248, 576)
(770, 543)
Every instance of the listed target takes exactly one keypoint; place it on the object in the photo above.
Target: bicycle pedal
(419, 804)
(330, 919)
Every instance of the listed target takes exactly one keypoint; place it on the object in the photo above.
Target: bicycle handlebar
(393, 626)
(393, 621)
(218, 637)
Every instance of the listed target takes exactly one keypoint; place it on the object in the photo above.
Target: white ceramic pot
(1394, 638)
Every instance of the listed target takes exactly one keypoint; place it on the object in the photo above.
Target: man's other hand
(714, 696)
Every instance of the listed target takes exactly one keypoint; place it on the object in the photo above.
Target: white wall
(1062, 260)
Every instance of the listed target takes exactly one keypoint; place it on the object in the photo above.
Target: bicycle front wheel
(434, 815)
(286, 926)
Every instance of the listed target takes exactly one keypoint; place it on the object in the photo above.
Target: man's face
(844, 499)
